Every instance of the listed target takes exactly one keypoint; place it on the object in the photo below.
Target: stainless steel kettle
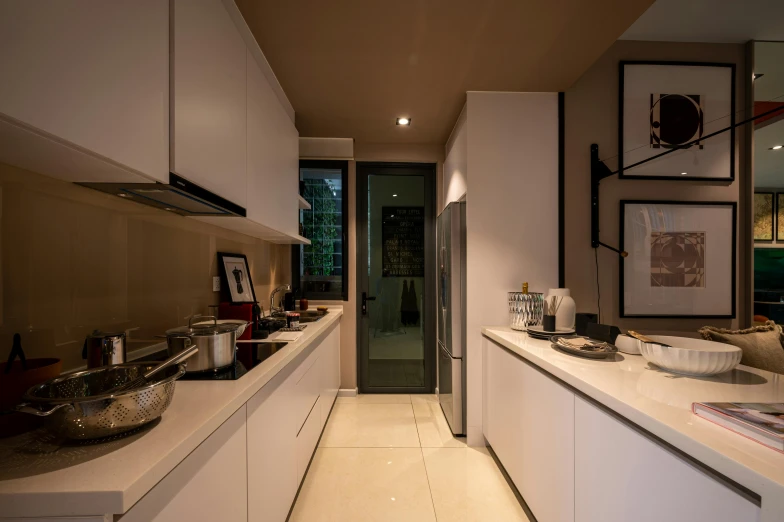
(104, 349)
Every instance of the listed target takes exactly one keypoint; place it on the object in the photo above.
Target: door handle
(365, 299)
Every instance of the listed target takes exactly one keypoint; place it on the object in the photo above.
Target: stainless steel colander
(77, 406)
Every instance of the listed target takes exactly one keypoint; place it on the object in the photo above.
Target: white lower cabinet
(284, 425)
(210, 484)
(529, 422)
(330, 374)
(622, 475)
(574, 462)
(272, 480)
(307, 438)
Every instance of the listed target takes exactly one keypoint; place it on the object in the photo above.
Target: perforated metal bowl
(76, 405)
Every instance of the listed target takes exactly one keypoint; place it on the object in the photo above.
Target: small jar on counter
(303, 304)
(292, 320)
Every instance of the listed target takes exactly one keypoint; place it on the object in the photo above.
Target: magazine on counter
(762, 422)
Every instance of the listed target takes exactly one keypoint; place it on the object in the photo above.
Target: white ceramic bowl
(691, 356)
(629, 345)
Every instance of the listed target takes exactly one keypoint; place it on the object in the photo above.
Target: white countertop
(660, 402)
(110, 477)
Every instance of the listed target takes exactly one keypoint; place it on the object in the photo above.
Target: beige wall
(395, 152)
(74, 259)
(592, 117)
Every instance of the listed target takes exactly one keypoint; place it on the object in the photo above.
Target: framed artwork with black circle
(678, 107)
(681, 260)
(235, 275)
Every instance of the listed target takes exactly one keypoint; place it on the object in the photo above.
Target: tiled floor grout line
(424, 464)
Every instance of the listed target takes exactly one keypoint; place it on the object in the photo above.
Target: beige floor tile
(365, 485)
(424, 398)
(467, 486)
(375, 398)
(371, 426)
(433, 429)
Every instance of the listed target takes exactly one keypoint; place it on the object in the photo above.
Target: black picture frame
(773, 211)
(778, 206)
(621, 169)
(734, 263)
(226, 291)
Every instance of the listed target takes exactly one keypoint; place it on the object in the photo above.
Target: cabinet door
(210, 484)
(330, 373)
(621, 475)
(531, 428)
(273, 157)
(272, 459)
(92, 73)
(307, 438)
(209, 98)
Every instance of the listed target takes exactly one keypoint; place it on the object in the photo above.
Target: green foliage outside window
(320, 225)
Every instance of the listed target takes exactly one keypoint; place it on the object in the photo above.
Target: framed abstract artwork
(779, 216)
(681, 260)
(676, 106)
(763, 216)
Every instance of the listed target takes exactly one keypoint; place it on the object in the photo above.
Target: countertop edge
(708, 456)
(119, 501)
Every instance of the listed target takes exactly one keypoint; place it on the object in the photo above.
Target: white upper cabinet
(209, 131)
(273, 157)
(85, 81)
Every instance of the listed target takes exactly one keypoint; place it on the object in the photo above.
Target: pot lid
(202, 330)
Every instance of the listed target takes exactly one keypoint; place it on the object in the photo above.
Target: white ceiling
(717, 21)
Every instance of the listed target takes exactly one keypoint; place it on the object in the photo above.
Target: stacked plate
(537, 332)
(583, 346)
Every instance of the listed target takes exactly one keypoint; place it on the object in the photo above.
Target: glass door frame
(363, 170)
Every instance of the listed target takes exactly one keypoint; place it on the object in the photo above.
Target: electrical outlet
(216, 284)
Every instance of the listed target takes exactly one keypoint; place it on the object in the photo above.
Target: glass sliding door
(396, 277)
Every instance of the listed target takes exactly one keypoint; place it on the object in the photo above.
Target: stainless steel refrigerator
(451, 239)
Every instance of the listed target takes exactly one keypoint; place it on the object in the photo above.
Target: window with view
(320, 269)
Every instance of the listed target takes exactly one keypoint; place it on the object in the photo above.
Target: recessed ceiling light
(776, 147)
(394, 195)
(403, 121)
(684, 173)
(123, 195)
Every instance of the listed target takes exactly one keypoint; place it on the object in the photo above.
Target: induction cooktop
(248, 356)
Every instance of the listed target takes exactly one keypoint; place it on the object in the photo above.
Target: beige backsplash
(74, 259)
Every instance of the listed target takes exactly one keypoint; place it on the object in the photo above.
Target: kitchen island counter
(89, 480)
(658, 405)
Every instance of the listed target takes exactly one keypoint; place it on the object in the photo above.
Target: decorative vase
(564, 317)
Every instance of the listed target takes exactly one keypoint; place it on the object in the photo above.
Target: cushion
(761, 345)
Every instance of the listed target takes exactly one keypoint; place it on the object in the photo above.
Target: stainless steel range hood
(179, 196)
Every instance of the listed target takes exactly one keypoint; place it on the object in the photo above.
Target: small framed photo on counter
(235, 275)
(681, 259)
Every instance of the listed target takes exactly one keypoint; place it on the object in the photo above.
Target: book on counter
(761, 422)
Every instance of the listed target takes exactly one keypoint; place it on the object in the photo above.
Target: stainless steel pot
(217, 343)
(104, 349)
(80, 405)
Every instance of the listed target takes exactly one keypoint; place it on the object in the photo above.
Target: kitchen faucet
(286, 287)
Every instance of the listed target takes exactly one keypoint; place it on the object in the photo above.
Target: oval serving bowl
(693, 357)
